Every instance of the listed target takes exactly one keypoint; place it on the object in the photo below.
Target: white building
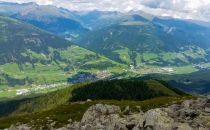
(22, 91)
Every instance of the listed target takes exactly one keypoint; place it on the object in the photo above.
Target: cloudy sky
(188, 9)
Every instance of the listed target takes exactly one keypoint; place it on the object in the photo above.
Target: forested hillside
(30, 55)
(100, 90)
(160, 42)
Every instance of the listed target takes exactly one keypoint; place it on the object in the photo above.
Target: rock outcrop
(190, 115)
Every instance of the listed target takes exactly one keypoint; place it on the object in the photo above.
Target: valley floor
(52, 85)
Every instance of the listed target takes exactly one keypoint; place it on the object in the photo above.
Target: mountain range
(158, 41)
(50, 18)
(98, 45)
(58, 67)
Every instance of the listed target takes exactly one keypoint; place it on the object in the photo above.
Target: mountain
(99, 19)
(124, 90)
(194, 83)
(17, 38)
(30, 55)
(59, 21)
(52, 105)
(155, 41)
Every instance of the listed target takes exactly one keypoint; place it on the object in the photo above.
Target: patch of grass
(185, 69)
(124, 55)
(172, 56)
(195, 53)
(158, 86)
(149, 56)
(138, 58)
(75, 53)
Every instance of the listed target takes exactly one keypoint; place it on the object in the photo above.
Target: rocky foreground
(190, 115)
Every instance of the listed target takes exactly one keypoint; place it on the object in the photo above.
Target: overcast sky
(190, 9)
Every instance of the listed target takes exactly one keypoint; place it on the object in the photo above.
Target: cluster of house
(39, 87)
(45, 86)
(22, 91)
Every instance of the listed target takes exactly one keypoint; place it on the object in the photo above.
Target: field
(72, 60)
(28, 91)
(52, 74)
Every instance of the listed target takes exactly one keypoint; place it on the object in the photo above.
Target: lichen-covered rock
(182, 126)
(12, 127)
(107, 117)
(99, 110)
(20, 127)
(126, 111)
(158, 120)
(208, 99)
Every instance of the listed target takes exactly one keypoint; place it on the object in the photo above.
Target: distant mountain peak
(30, 3)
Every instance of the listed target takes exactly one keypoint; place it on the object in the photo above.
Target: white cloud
(191, 9)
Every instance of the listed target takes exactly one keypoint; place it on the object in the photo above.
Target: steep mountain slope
(17, 38)
(56, 20)
(30, 55)
(156, 42)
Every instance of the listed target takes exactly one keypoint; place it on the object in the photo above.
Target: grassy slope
(57, 106)
(51, 100)
(27, 38)
(54, 72)
(75, 111)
